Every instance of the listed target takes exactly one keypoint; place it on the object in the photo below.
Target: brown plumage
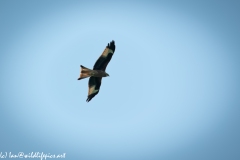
(98, 71)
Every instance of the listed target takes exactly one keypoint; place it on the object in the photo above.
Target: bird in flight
(98, 71)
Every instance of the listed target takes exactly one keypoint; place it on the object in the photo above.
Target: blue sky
(173, 90)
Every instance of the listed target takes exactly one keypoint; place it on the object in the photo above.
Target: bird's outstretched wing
(94, 84)
(105, 58)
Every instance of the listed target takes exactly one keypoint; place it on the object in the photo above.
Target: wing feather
(105, 57)
(94, 84)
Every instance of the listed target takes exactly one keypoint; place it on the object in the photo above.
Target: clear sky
(173, 91)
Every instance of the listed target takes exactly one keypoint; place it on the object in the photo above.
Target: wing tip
(89, 99)
(91, 96)
(111, 45)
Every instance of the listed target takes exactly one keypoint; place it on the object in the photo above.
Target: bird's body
(86, 72)
(98, 71)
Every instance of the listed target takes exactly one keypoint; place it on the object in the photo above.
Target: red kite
(98, 71)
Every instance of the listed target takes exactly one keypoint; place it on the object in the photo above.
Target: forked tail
(84, 73)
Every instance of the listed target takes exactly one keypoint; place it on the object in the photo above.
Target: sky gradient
(173, 91)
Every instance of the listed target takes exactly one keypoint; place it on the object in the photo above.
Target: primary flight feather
(98, 71)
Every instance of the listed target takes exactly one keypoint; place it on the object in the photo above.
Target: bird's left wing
(105, 58)
(94, 84)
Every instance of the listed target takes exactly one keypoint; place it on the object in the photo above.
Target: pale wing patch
(92, 90)
(106, 52)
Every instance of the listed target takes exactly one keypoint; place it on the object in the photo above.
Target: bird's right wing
(105, 57)
(94, 84)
